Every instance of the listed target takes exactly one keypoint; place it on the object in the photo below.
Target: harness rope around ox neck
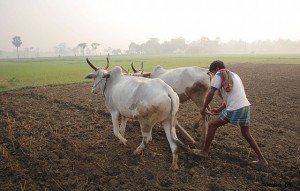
(104, 85)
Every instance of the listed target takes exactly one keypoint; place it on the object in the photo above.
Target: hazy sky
(116, 23)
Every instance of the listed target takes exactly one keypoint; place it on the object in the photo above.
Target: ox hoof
(174, 167)
(137, 152)
(196, 125)
(202, 146)
(139, 149)
(260, 162)
(125, 143)
(129, 144)
(199, 153)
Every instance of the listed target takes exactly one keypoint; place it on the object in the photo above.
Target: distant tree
(60, 49)
(152, 46)
(95, 46)
(37, 52)
(204, 46)
(173, 46)
(31, 51)
(17, 42)
(82, 46)
(108, 50)
(26, 52)
(75, 50)
(116, 51)
(88, 51)
(134, 48)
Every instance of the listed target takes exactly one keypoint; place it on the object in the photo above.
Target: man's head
(216, 65)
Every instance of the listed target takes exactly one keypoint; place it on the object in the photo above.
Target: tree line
(204, 45)
(213, 46)
(59, 50)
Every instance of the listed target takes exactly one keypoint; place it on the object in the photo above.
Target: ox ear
(89, 76)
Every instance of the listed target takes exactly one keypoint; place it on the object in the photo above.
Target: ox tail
(174, 109)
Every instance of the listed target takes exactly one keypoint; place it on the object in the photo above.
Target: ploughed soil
(61, 138)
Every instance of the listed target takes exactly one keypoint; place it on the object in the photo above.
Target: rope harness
(104, 85)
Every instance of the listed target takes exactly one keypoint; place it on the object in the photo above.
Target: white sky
(44, 24)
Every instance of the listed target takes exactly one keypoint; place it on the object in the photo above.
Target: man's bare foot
(260, 162)
(200, 153)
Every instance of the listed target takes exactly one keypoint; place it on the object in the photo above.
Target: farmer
(235, 108)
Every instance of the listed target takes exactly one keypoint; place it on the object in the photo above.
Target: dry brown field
(61, 138)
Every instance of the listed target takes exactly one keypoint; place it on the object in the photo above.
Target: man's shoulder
(235, 75)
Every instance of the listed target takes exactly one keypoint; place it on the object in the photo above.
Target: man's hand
(215, 111)
(205, 111)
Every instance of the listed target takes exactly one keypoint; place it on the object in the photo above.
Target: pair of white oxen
(150, 99)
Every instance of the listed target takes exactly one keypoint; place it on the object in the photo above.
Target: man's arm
(218, 110)
(208, 99)
(220, 95)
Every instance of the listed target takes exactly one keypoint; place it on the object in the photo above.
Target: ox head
(100, 75)
(139, 72)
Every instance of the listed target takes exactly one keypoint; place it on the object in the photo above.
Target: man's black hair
(216, 64)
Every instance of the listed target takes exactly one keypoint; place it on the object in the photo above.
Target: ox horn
(134, 70)
(125, 70)
(91, 65)
(142, 68)
(107, 62)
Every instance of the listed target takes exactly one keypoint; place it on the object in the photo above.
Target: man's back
(236, 98)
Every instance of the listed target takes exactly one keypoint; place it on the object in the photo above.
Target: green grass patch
(15, 74)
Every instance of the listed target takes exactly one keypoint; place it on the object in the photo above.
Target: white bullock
(190, 83)
(149, 101)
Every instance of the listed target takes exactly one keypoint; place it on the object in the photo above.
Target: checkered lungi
(239, 117)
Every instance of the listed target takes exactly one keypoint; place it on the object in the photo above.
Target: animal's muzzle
(94, 90)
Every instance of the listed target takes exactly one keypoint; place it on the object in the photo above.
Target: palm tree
(82, 46)
(94, 46)
(17, 42)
